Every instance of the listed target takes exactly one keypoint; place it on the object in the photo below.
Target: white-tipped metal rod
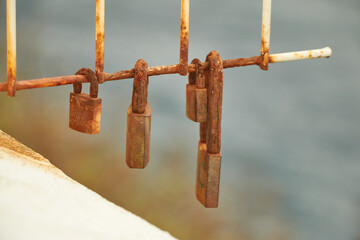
(99, 42)
(11, 46)
(184, 37)
(300, 55)
(265, 34)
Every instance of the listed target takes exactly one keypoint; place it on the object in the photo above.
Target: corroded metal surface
(138, 138)
(196, 103)
(208, 177)
(184, 37)
(169, 69)
(201, 173)
(214, 81)
(196, 94)
(139, 120)
(11, 46)
(265, 34)
(85, 109)
(85, 113)
(99, 42)
(209, 155)
(140, 87)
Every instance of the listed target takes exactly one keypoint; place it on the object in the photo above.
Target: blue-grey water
(292, 132)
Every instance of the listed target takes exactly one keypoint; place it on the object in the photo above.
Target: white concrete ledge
(38, 201)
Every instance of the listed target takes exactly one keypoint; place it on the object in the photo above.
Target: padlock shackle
(91, 76)
(198, 77)
(140, 87)
(214, 84)
(203, 129)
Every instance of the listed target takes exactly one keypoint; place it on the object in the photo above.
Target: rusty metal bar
(184, 37)
(168, 69)
(214, 85)
(265, 34)
(99, 42)
(11, 46)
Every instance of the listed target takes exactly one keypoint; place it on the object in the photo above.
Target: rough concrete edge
(12, 146)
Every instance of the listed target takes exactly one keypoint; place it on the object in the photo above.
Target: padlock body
(208, 177)
(85, 113)
(196, 103)
(138, 138)
(201, 172)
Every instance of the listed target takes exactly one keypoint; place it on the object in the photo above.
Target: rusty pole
(11, 46)
(169, 69)
(184, 37)
(99, 42)
(265, 34)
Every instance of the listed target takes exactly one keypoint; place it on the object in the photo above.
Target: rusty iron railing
(138, 134)
(168, 69)
(183, 68)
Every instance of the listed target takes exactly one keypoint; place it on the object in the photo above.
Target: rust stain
(138, 138)
(140, 87)
(264, 43)
(99, 49)
(11, 46)
(184, 38)
(214, 81)
(126, 74)
(184, 46)
(310, 54)
(99, 42)
(264, 60)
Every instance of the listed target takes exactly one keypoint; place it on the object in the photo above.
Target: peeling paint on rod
(169, 69)
(265, 34)
(99, 42)
(184, 37)
(11, 46)
(300, 55)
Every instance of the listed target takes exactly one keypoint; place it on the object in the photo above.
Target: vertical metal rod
(11, 46)
(99, 43)
(214, 81)
(265, 34)
(184, 37)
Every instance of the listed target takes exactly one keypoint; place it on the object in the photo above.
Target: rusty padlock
(139, 120)
(85, 109)
(209, 155)
(201, 164)
(196, 94)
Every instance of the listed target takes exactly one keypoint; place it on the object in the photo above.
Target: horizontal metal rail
(168, 69)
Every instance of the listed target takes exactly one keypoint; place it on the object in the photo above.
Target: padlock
(139, 120)
(196, 94)
(85, 109)
(209, 155)
(201, 164)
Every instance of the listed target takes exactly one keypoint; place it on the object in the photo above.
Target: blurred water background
(291, 149)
